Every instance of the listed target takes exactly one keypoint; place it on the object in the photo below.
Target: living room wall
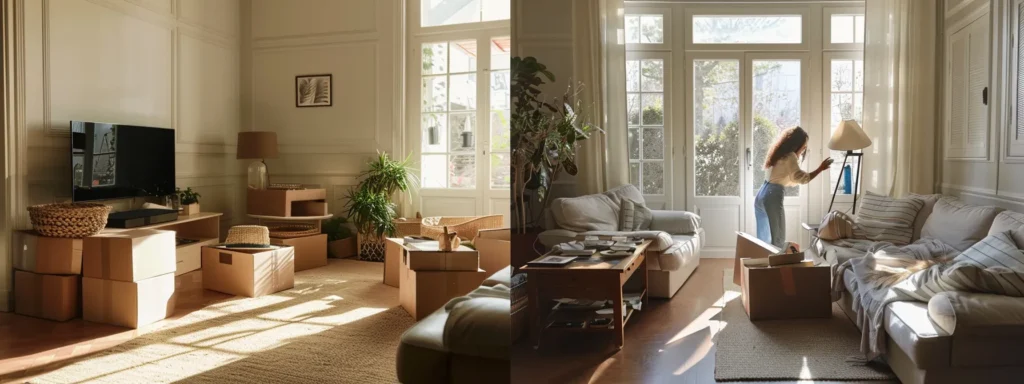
(999, 178)
(358, 42)
(162, 63)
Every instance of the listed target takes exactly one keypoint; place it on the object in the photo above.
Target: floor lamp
(849, 137)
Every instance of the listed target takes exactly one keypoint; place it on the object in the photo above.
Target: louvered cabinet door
(967, 93)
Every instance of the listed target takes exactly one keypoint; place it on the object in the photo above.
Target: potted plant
(370, 207)
(544, 136)
(189, 200)
(340, 242)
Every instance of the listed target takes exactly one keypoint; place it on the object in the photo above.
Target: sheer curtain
(599, 63)
(900, 96)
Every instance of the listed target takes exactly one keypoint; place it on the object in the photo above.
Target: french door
(737, 105)
(461, 135)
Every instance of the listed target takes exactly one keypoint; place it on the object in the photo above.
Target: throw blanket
(871, 293)
(919, 271)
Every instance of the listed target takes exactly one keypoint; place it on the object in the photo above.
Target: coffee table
(586, 278)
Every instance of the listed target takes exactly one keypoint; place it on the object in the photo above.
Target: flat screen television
(114, 161)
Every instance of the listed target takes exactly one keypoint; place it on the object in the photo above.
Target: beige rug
(339, 324)
(799, 349)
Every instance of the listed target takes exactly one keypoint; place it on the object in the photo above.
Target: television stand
(192, 233)
(140, 217)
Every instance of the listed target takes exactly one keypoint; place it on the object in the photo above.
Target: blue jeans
(770, 215)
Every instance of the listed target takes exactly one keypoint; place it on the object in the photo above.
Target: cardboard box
(248, 273)
(47, 255)
(278, 202)
(52, 297)
(187, 259)
(128, 304)
(310, 251)
(343, 248)
(426, 256)
(393, 251)
(749, 247)
(133, 255)
(786, 292)
(309, 208)
(423, 292)
(495, 248)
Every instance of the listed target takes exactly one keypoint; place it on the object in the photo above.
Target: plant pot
(190, 209)
(371, 248)
(342, 248)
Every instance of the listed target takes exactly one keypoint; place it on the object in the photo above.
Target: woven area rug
(339, 324)
(798, 349)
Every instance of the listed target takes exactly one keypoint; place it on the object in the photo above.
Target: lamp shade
(257, 145)
(848, 136)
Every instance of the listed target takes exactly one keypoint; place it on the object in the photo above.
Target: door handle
(984, 96)
(749, 163)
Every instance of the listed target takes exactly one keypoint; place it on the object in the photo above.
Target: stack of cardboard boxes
(128, 277)
(310, 251)
(47, 276)
(428, 277)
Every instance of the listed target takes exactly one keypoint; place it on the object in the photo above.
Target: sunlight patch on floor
(347, 317)
(595, 378)
(301, 310)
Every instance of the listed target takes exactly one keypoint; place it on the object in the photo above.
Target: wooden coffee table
(595, 279)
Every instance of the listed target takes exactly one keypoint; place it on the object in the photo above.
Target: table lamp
(257, 145)
(849, 137)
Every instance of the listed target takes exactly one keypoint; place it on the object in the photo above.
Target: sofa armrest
(977, 314)
(553, 237)
(479, 326)
(675, 222)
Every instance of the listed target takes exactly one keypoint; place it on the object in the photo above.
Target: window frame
(805, 28)
(826, 108)
(666, 28)
(666, 125)
(826, 22)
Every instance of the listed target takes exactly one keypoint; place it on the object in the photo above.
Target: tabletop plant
(187, 196)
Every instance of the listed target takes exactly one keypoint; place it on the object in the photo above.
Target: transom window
(645, 29)
(448, 12)
(847, 29)
(772, 29)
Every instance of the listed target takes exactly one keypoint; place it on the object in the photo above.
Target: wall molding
(308, 41)
(196, 24)
(967, 188)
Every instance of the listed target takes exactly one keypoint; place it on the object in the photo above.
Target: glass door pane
(776, 107)
(846, 95)
(716, 114)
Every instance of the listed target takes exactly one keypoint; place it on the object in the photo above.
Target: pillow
(586, 213)
(626, 216)
(958, 224)
(926, 210)
(882, 208)
(882, 218)
(997, 250)
(1012, 222)
(642, 216)
(836, 225)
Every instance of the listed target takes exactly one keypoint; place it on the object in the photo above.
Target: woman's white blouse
(786, 172)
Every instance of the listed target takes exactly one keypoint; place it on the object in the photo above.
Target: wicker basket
(68, 220)
(407, 227)
(465, 226)
(292, 230)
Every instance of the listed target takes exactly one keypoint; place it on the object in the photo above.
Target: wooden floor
(669, 342)
(27, 343)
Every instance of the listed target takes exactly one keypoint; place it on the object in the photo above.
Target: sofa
(678, 236)
(466, 341)
(956, 337)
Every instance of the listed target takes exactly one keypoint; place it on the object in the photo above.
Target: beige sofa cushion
(883, 218)
(957, 223)
(1012, 222)
(926, 210)
(987, 330)
(598, 212)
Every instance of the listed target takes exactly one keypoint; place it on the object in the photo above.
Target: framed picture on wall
(313, 90)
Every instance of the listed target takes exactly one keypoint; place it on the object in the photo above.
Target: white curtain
(599, 64)
(900, 96)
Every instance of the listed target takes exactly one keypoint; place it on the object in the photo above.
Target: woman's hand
(825, 164)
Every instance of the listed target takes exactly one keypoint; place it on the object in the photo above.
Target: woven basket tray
(291, 230)
(68, 220)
